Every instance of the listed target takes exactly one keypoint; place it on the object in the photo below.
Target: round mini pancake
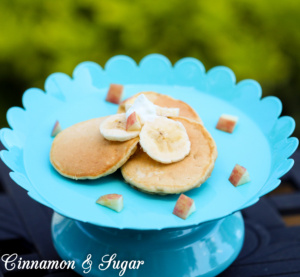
(150, 176)
(167, 102)
(81, 152)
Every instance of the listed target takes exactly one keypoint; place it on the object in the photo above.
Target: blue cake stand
(146, 230)
(202, 250)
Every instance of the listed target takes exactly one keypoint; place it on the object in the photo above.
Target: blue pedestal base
(203, 250)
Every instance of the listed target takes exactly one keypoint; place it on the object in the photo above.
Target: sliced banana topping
(146, 109)
(167, 111)
(161, 111)
(114, 128)
(165, 140)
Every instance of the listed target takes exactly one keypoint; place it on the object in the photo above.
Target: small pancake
(167, 102)
(150, 176)
(81, 152)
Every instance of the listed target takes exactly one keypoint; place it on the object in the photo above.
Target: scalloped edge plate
(260, 142)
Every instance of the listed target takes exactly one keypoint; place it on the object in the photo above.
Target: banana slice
(165, 140)
(167, 111)
(114, 128)
(161, 111)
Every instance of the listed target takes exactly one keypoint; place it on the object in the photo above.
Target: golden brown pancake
(150, 176)
(81, 152)
(165, 101)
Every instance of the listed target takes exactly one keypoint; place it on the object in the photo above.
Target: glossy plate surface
(260, 141)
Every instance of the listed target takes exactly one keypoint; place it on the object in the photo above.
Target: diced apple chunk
(56, 129)
(113, 201)
(184, 207)
(114, 93)
(227, 123)
(133, 122)
(239, 176)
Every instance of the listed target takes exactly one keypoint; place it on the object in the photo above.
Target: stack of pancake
(81, 152)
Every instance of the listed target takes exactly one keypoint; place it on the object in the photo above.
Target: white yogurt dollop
(144, 108)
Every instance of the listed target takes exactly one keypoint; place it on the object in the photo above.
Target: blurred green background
(257, 39)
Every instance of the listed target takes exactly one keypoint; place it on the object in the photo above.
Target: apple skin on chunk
(133, 123)
(184, 207)
(113, 201)
(114, 93)
(239, 176)
(56, 129)
(227, 123)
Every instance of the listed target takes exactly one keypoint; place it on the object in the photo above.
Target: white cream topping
(144, 108)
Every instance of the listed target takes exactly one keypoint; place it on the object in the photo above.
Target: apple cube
(114, 93)
(133, 123)
(113, 201)
(56, 129)
(239, 176)
(227, 123)
(184, 207)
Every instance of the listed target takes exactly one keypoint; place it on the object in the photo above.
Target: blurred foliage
(257, 39)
